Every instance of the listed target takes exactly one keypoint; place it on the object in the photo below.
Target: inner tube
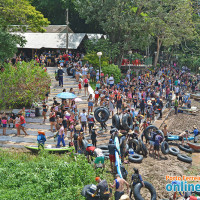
(101, 111)
(184, 158)
(137, 146)
(127, 122)
(135, 158)
(165, 147)
(103, 147)
(148, 130)
(176, 137)
(69, 71)
(174, 151)
(185, 148)
(138, 187)
(116, 121)
(143, 148)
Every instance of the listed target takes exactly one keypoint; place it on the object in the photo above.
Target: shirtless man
(165, 131)
(119, 186)
(184, 135)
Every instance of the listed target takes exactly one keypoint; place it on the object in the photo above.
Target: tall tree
(55, 11)
(17, 15)
(171, 21)
(120, 20)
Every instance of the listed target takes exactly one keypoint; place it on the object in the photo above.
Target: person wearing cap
(112, 148)
(136, 178)
(102, 189)
(60, 76)
(91, 121)
(196, 133)
(99, 157)
(94, 136)
(61, 136)
(119, 186)
(184, 135)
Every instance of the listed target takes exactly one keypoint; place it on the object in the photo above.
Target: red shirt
(22, 120)
(91, 148)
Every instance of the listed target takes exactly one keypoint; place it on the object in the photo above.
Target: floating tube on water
(176, 137)
(117, 158)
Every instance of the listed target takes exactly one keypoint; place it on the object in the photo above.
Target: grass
(93, 85)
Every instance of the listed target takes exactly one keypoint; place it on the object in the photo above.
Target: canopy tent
(52, 40)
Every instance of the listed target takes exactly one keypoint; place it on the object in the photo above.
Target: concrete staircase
(35, 124)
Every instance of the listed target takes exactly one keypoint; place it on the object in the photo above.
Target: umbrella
(66, 95)
(78, 99)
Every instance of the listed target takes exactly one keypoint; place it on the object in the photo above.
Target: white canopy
(52, 40)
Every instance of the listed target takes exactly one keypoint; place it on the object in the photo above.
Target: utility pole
(67, 23)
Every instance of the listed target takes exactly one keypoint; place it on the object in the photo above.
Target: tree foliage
(20, 12)
(112, 69)
(123, 24)
(22, 85)
(55, 11)
(93, 59)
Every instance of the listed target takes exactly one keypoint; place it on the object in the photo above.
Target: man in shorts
(90, 151)
(119, 186)
(100, 157)
(183, 135)
(83, 119)
(112, 148)
(158, 140)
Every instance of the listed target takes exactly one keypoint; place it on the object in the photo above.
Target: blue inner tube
(176, 137)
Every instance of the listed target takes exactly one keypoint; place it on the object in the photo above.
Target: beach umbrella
(78, 99)
(66, 95)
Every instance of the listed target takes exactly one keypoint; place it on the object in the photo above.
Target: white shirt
(99, 152)
(83, 117)
(111, 80)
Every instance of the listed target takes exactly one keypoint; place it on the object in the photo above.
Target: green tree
(26, 83)
(55, 11)
(17, 15)
(171, 21)
(93, 59)
(112, 69)
(125, 27)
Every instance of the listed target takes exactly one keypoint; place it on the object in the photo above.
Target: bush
(22, 85)
(93, 59)
(112, 69)
(45, 176)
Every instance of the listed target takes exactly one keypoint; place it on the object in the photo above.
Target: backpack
(117, 183)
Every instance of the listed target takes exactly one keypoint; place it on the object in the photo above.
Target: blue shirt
(195, 132)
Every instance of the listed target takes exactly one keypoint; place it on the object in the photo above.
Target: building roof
(52, 40)
(55, 29)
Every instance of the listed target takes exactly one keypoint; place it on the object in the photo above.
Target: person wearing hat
(41, 138)
(102, 189)
(136, 178)
(77, 130)
(184, 135)
(91, 121)
(60, 76)
(94, 136)
(196, 133)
